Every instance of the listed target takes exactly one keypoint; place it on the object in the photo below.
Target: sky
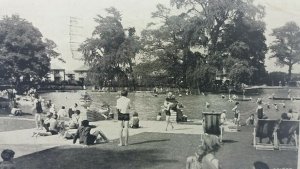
(52, 18)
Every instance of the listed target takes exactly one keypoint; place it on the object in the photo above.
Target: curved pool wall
(148, 105)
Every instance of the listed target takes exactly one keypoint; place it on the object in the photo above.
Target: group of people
(171, 106)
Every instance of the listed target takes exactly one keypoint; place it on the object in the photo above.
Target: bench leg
(276, 146)
(254, 137)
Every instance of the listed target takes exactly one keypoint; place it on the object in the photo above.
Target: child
(251, 120)
(7, 155)
(105, 110)
(62, 113)
(236, 119)
(15, 111)
(236, 113)
(194, 162)
(207, 105)
(223, 117)
(276, 106)
(135, 120)
(74, 122)
(158, 117)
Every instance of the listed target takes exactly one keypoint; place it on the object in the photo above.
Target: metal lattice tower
(75, 37)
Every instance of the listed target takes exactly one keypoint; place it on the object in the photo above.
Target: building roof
(83, 68)
(69, 72)
(54, 66)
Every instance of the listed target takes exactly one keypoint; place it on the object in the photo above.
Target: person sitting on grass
(195, 162)
(15, 111)
(135, 121)
(62, 113)
(74, 122)
(7, 155)
(85, 137)
(105, 110)
(251, 120)
(51, 126)
(211, 145)
(158, 117)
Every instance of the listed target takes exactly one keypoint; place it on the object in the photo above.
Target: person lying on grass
(85, 137)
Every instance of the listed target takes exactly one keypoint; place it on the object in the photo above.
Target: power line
(74, 34)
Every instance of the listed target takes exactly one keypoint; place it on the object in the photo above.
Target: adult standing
(236, 114)
(123, 106)
(168, 105)
(259, 109)
(37, 106)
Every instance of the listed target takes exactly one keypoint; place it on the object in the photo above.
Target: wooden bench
(276, 131)
(211, 124)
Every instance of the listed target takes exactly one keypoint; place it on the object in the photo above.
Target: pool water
(148, 105)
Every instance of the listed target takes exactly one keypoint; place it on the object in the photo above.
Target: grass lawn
(156, 151)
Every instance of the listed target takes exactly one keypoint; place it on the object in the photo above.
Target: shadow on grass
(182, 129)
(229, 141)
(93, 158)
(150, 141)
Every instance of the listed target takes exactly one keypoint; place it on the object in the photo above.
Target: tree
(286, 46)
(110, 52)
(23, 52)
(164, 43)
(226, 29)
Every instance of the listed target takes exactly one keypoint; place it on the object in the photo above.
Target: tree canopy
(23, 52)
(111, 50)
(208, 36)
(286, 46)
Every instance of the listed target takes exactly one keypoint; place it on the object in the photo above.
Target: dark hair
(236, 103)
(135, 114)
(76, 104)
(77, 112)
(284, 116)
(124, 93)
(63, 107)
(55, 116)
(290, 110)
(85, 123)
(211, 143)
(7, 154)
(36, 96)
(260, 165)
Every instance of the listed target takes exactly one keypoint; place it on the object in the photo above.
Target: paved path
(23, 143)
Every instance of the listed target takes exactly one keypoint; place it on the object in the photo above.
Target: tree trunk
(290, 72)
(198, 87)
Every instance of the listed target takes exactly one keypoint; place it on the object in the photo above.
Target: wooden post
(254, 137)
(276, 146)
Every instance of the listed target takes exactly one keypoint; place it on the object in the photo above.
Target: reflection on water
(148, 106)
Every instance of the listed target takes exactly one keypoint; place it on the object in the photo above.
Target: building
(222, 75)
(57, 73)
(81, 73)
(70, 76)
